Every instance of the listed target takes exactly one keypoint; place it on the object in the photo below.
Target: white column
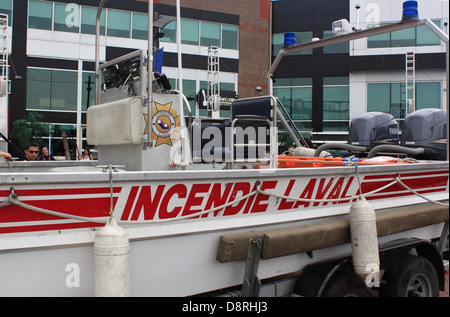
(79, 105)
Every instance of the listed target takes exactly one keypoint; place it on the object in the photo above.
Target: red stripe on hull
(405, 194)
(417, 183)
(85, 207)
(392, 176)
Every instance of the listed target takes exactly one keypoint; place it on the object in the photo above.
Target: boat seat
(259, 108)
(211, 141)
(211, 138)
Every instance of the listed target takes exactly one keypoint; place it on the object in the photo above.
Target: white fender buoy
(111, 257)
(364, 239)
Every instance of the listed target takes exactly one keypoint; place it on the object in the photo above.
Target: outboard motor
(373, 128)
(426, 128)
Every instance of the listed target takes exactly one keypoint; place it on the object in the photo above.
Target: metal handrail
(289, 130)
(249, 118)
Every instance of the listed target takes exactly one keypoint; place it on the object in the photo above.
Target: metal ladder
(4, 82)
(213, 89)
(410, 84)
(255, 146)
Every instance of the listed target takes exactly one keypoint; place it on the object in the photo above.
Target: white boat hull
(158, 267)
(44, 255)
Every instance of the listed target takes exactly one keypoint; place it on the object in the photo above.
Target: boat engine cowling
(426, 128)
(373, 128)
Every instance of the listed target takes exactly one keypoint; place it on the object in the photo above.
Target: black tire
(416, 277)
(346, 284)
(309, 282)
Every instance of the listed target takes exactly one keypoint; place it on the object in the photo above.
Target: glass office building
(52, 54)
(51, 61)
(325, 88)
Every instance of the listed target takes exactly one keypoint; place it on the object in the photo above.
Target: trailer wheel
(416, 277)
(346, 284)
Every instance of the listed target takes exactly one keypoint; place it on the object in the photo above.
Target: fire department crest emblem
(165, 124)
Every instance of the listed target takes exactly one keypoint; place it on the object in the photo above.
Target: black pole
(19, 152)
(88, 92)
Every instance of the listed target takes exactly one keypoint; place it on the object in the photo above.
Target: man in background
(45, 155)
(32, 151)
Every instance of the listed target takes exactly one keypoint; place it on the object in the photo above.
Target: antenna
(357, 7)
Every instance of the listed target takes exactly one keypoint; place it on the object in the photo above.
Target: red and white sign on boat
(154, 201)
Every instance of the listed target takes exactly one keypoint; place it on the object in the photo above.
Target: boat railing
(259, 147)
(289, 124)
(259, 113)
(187, 107)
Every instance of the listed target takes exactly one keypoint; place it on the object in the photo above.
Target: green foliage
(284, 142)
(29, 129)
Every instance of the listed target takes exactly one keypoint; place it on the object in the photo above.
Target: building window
(336, 48)
(419, 36)
(38, 88)
(189, 32)
(170, 32)
(387, 97)
(428, 95)
(140, 26)
(6, 8)
(277, 43)
(379, 97)
(300, 38)
(55, 140)
(336, 103)
(296, 96)
(403, 38)
(210, 34)
(119, 23)
(40, 15)
(382, 40)
(230, 36)
(125, 24)
(67, 18)
(88, 97)
(189, 90)
(88, 20)
(49, 89)
(390, 97)
(425, 37)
